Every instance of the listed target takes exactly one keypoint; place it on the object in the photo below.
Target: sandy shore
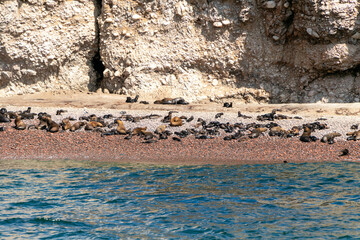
(82, 145)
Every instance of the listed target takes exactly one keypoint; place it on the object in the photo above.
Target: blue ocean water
(82, 200)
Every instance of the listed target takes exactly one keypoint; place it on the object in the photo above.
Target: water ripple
(107, 201)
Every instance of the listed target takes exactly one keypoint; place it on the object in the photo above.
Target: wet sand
(42, 145)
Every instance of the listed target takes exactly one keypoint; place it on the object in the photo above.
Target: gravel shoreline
(82, 145)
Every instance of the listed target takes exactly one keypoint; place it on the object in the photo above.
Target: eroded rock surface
(281, 50)
(253, 50)
(47, 45)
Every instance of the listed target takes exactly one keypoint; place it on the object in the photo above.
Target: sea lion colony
(199, 128)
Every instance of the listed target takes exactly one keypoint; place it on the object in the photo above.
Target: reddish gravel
(36, 144)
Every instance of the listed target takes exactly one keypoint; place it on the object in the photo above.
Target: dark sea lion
(130, 100)
(4, 116)
(218, 115)
(60, 111)
(172, 101)
(190, 119)
(28, 110)
(353, 135)
(344, 152)
(25, 115)
(176, 122)
(19, 124)
(144, 102)
(176, 139)
(228, 105)
(242, 115)
(267, 116)
(306, 136)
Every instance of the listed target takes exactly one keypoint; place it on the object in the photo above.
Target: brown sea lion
(138, 130)
(76, 126)
(160, 129)
(19, 124)
(52, 126)
(120, 129)
(176, 122)
(329, 138)
(66, 124)
(257, 132)
(277, 131)
(43, 123)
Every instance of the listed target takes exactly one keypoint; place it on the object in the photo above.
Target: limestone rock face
(255, 50)
(46, 45)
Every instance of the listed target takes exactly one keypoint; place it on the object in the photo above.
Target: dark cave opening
(96, 60)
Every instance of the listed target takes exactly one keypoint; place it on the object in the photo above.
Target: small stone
(215, 82)
(270, 4)
(276, 38)
(226, 22)
(312, 33)
(117, 74)
(136, 17)
(115, 34)
(217, 24)
(109, 20)
(286, 5)
(107, 73)
(356, 35)
(106, 91)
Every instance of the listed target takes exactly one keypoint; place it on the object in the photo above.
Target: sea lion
(267, 116)
(306, 136)
(176, 122)
(242, 115)
(120, 129)
(43, 122)
(138, 130)
(353, 135)
(130, 100)
(60, 111)
(228, 105)
(52, 126)
(344, 152)
(257, 132)
(144, 102)
(66, 124)
(4, 116)
(218, 115)
(173, 101)
(76, 126)
(176, 139)
(19, 124)
(93, 125)
(329, 138)
(277, 131)
(160, 129)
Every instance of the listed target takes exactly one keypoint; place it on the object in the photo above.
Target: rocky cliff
(253, 50)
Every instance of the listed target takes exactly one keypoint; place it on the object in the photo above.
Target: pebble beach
(93, 146)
